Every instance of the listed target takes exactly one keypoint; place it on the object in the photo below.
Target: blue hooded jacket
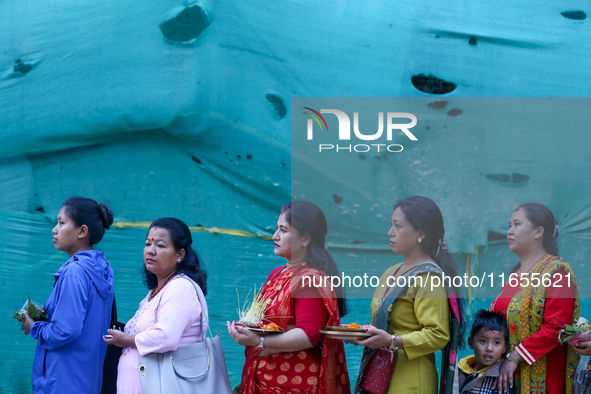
(70, 349)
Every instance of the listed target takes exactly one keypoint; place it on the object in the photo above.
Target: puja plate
(263, 331)
(343, 328)
(345, 335)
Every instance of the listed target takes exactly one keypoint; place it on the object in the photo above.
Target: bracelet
(393, 346)
(512, 359)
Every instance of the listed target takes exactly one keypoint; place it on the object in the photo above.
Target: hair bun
(106, 216)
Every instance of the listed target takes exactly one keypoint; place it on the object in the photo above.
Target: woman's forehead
(158, 232)
(398, 215)
(519, 214)
(282, 220)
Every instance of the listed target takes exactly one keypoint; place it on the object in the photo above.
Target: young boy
(489, 339)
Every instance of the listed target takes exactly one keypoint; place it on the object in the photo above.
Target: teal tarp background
(96, 101)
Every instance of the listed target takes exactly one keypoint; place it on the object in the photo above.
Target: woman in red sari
(299, 360)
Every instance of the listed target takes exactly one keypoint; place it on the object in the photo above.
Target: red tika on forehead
(517, 209)
(152, 239)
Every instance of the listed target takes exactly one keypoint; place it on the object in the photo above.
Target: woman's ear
(181, 255)
(539, 233)
(306, 240)
(82, 231)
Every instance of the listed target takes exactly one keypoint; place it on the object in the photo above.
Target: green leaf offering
(575, 333)
(35, 310)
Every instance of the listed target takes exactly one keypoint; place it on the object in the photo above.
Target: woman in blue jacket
(70, 348)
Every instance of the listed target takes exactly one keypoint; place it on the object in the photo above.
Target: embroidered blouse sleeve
(432, 312)
(559, 306)
(179, 308)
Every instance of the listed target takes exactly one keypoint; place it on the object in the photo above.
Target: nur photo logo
(344, 132)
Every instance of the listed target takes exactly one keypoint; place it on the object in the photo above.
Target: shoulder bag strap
(204, 312)
(204, 317)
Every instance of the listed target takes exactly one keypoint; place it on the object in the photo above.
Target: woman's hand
(26, 327)
(583, 348)
(379, 338)
(120, 339)
(505, 380)
(242, 336)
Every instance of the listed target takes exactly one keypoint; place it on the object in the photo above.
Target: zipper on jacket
(44, 359)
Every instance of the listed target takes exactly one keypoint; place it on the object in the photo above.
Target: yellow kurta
(421, 319)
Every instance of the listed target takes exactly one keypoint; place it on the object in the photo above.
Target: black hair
(490, 321)
(181, 239)
(85, 211)
(308, 219)
(539, 215)
(423, 214)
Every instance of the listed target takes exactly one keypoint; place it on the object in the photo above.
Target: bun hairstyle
(181, 239)
(308, 219)
(423, 214)
(86, 211)
(539, 215)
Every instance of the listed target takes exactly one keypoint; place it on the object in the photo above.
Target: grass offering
(252, 313)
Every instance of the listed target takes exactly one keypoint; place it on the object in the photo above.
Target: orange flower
(539, 366)
(353, 325)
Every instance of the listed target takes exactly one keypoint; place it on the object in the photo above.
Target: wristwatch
(261, 344)
(512, 359)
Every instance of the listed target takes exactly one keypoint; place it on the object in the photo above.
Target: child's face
(488, 347)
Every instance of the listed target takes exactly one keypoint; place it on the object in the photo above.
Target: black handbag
(112, 357)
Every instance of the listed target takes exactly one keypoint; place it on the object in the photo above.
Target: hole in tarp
(186, 25)
(576, 15)
(454, 112)
(21, 67)
(438, 104)
(278, 105)
(40, 208)
(338, 199)
(472, 41)
(513, 179)
(196, 159)
(494, 236)
(431, 84)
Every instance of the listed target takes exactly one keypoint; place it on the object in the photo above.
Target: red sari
(321, 369)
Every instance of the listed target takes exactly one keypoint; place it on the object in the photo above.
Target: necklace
(292, 266)
(155, 290)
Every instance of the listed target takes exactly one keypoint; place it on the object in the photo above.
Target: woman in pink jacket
(169, 316)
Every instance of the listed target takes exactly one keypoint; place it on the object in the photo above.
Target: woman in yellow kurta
(411, 314)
